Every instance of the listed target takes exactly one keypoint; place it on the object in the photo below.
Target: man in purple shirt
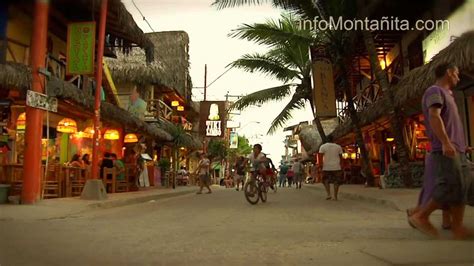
(445, 130)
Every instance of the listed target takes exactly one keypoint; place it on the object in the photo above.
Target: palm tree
(340, 46)
(287, 60)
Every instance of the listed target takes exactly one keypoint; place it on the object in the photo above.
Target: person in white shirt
(332, 170)
(257, 160)
(203, 171)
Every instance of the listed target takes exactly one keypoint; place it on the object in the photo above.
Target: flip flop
(427, 231)
(446, 227)
(408, 219)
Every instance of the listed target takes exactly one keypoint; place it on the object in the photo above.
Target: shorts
(451, 179)
(334, 177)
(238, 177)
(204, 178)
(299, 177)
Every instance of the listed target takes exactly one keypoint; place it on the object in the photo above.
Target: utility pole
(205, 82)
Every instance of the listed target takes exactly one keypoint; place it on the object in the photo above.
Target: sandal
(328, 198)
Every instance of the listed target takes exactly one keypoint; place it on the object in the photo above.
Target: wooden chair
(122, 185)
(110, 172)
(51, 182)
(77, 182)
(16, 180)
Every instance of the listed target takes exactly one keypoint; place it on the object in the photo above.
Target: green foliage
(217, 149)
(287, 59)
(243, 149)
(164, 164)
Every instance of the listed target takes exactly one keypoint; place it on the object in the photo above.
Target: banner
(80, 48)
(324, 95)
(234, 140)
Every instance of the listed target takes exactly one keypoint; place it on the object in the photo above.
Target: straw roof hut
(169, 69)
(18, 77)
(310, 138)
(410, 88)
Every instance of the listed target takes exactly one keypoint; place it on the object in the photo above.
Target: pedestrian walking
(239, 172)
(446, 167)
(298, 173)
(282, 175)
(203, 172)
(332, 168)
(290, 175)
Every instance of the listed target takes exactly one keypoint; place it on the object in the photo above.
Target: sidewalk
(397, 199)
(69, 207)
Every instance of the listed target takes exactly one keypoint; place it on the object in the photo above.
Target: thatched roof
(10, 78)
(310, 138)
(170, 67)
(14, 75)
(410, 88)
(132, 68)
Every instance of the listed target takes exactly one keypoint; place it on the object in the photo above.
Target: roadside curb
(366, 198)
(137, 200)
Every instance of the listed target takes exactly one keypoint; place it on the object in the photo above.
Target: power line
(219, 77)
(139, 11)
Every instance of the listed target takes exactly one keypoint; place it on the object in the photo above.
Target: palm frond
(296, 102)
(262, 96)
(267, 65)
(305, 8)
(295, 56)
(221, 4)
(275, 32)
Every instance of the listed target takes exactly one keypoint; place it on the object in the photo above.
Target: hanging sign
(80, 48)
(41, 101)
(213, 119)
(324, 94)
(234, 140)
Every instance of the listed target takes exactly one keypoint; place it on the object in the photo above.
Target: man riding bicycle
(260, 164)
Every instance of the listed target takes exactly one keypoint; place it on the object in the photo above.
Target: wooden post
(34, 117)
(98, 78)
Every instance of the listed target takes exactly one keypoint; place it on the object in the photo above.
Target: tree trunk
(396, 120)
(317, 122)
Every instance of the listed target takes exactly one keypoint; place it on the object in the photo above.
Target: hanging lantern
(21, 122)
(79, 135)
(88, 133)
(174, 103)
(111, 134)
(180, 108)
(67, 125)
(130, 138)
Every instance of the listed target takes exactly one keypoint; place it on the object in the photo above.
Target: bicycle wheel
(251, 192)
(262, 191)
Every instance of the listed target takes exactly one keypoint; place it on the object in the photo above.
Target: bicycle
(256, 190)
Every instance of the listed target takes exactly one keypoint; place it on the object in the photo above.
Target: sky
(208, 30)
